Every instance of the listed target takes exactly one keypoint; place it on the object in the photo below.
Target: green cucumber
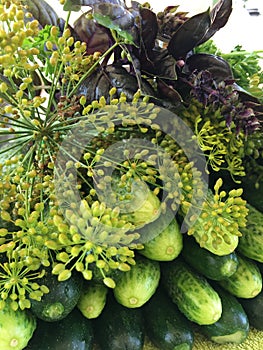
(119, 327)
(136, 286)
(165, 325)
(167, 244)
(254, 310)
(192, 293)
(92, 299)
(212, 266)
(74, 332)
(251, 241)
(16, 328)
(252, 185)
(246, 282)
(233, 325)
(61, 299)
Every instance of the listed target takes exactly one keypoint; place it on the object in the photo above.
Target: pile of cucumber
(175, 289)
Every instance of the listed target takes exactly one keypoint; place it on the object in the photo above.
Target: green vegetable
(135, 287)
(16, 328)
(210, 265)
(253, 192)
(254, 310)
(92, 299)
(74, 332)
(168, 242)
(191, 292)
(61, 299)
(165, 325)
(142, 206)
(251, 241)
(119, 327)
(233, 325)
(246, 282)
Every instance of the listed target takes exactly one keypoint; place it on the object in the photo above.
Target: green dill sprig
(220, 223)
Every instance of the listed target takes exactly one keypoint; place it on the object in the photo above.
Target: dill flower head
(220, 223)
(80, 177)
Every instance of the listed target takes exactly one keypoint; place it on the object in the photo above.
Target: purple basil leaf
(216, 65)
(42, 12)
(219, 15)
(164, 65)
(167, 92)
(189, 35)
(97, 37)
(149, 28)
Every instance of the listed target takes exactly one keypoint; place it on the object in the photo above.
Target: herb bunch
(101, 84)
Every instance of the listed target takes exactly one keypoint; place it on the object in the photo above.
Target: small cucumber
(92, 299)
(246, 282)
(254, 310)
(136, 286)
(233, 325)
(192, 293)
(74, 332)
(212, 266)
(16, 328)
(119, 327)
(61, 299)
(251, 241)
(168, 242)
(165, 325)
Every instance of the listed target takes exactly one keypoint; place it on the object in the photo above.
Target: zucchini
(16, 328)
(254, 310)
(192, 293)
(246, 282)
(251, 241)
(61, 299)
(119, 327)
(165, 325)
(74, 332)
(136, 286)
(233, 325)
(92, 299)
(167, 244)
(212, 266)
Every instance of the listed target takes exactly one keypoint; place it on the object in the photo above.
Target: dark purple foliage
(161, 60)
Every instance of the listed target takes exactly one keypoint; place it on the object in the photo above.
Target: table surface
(254, 341)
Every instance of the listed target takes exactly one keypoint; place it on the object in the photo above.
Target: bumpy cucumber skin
(233, 325)
(212, 266)
(119, 327)
(251, 241)
(92, 299)
(246, 282)
(135, 287)
(165, 325)
(167, 245)
(74, 332)
(16, 328)
(192, 293)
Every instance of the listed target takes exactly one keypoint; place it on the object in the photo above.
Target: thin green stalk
(240, 53)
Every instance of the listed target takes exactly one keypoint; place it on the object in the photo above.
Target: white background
(241, 29)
